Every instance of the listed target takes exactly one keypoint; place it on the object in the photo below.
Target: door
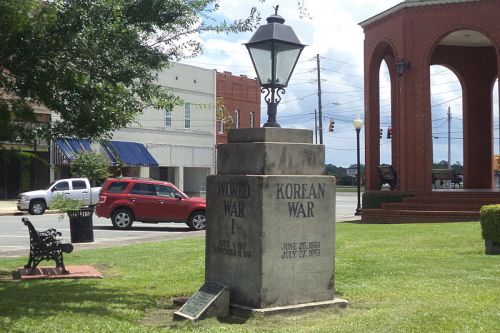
(142, 200)
(60, 188)
(170, 208)
(79, 191)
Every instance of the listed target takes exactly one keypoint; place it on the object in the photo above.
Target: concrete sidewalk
(9, 207)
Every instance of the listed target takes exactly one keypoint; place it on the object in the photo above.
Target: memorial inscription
(226, 247)
(295, 192)
(234, 195)
(300, 250)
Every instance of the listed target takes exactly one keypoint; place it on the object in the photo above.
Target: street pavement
(9, 207)
(14, 238)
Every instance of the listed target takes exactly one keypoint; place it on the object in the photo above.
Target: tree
(94, 63)
(341, 173)
(222, 114)
(458, 167)
(90, 165)
(440, 165)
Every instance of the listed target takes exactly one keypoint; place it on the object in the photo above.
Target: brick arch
(448, 30)
(383, 51)
(414, 30)
(476, 69)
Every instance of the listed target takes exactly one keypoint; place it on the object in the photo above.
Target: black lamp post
(274, 49)
(358, 125)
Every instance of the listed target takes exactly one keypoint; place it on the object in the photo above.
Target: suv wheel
(37, 207)
(122, 219)
(197, 220)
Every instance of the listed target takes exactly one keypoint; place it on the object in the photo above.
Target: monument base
(304, 307)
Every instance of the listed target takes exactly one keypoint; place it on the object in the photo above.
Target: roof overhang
(408, 4)
(466, 37)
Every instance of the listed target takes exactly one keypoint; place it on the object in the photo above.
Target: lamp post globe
(358, 125)
(274, 50)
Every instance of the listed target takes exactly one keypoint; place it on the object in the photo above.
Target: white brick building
(182, 140)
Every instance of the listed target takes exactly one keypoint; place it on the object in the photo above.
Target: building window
(168, 118)
(252, 120)
(237, 118)
(221, 127)
(187, 115)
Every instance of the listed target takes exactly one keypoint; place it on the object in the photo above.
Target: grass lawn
(397, 278)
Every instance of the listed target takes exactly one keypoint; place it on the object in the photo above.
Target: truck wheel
(122, 219)
(197, 220)
(37, 207)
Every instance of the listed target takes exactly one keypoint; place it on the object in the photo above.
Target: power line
(447, 101)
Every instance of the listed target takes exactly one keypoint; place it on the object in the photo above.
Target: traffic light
(389, 132)
(331, 124)
(381, 133)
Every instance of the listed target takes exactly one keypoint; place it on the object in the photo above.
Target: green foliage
(490, 223)
(91, 165)
(95, 63)
(375, 199)
(457, 166)
(341, 174)
(65, 204)
(222, 114)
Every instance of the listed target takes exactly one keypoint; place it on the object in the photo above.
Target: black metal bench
(388, 175)
(445, 174)
(44, 245)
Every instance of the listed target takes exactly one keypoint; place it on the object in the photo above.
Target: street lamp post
(274, 50)
(358, 125)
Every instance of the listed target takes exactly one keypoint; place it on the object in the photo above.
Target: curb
(21, 213)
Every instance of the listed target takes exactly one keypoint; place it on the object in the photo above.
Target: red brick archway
(413, 31)
(463, 36)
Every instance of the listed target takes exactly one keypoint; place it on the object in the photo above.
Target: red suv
(126, 200)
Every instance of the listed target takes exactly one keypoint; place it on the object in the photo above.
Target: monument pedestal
(271, 220)
(337, 302)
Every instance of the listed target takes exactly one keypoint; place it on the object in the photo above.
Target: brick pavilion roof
(407, 4)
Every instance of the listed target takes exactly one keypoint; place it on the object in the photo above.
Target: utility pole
(316, 126)
(449, 137)
(320, 112)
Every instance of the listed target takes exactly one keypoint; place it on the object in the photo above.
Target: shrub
(490, 223)
(65, 204)
(375, 199)
(90, 165)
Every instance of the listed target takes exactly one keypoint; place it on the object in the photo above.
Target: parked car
(35, 202)
(125, 200)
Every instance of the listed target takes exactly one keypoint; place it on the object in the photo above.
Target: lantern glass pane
(286, 57)
(261, 57)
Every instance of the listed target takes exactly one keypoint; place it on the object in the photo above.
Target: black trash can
(81, 226)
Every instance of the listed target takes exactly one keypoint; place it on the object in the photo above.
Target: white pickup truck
(35, 202)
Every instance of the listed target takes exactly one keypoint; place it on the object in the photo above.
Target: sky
(332, 31)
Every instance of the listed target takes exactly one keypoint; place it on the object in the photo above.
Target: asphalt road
(14, 237)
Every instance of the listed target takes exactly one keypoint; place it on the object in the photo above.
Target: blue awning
(130, 153)
(67, 149)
